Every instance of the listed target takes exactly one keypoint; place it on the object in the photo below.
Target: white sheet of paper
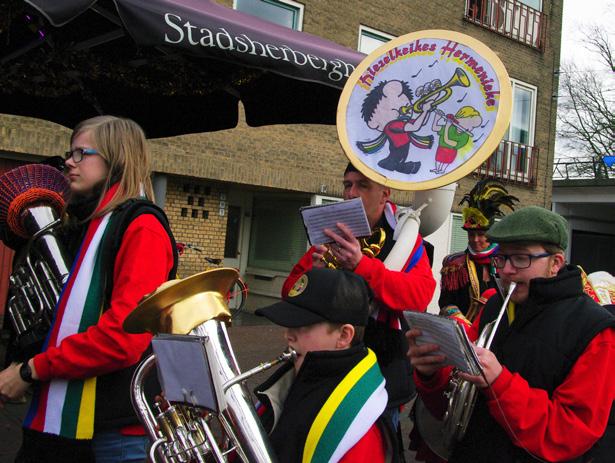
(447, 334)
(351, 213)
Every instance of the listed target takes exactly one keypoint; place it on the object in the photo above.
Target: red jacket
(396, 290)
(370, 449)
(143, 262)
(567, 423)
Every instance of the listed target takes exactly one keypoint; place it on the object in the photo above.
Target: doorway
(237, 229)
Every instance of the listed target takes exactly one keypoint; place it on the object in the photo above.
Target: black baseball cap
(322, 295)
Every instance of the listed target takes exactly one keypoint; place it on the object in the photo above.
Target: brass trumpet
(370, 246)
(460, 78)
(461, 394)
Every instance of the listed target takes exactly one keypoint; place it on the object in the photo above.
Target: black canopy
(175, 66)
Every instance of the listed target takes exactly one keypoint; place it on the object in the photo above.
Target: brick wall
(199, 224)
(308, 158)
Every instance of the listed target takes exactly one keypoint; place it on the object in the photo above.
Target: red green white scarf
(483, 257)
(66, 407)
(351, 409)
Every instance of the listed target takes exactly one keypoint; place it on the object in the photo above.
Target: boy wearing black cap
(327, 406)
(549, 379)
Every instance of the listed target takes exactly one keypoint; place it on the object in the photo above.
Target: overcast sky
(577, 15)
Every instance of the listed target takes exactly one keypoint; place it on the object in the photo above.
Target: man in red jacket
(548, 383)
(409, 288)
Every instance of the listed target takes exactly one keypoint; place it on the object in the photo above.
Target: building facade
(235, 193)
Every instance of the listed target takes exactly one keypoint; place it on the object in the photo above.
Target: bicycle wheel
(237, 297)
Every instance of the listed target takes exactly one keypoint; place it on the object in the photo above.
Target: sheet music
(451, 338)
(183, 370)
(350, 213)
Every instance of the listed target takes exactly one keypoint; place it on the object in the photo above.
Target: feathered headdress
(484, 202)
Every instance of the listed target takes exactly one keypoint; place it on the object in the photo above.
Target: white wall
(441, 243)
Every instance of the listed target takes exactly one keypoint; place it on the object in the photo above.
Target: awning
(175, 66)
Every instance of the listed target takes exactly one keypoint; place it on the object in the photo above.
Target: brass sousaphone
(402, 143)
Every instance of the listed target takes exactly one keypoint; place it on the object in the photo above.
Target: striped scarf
(66, 407)
(483, 257)
(389, 317)
(347, 416)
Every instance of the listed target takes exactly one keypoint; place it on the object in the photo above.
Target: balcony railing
(581, 169)
(512, 162)
(510, 18)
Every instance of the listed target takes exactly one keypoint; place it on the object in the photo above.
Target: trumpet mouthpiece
(289, 355)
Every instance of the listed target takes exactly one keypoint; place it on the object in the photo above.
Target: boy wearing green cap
(549, 379)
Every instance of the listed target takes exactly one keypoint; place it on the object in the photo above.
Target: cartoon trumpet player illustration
(454, 134)
(389, 109)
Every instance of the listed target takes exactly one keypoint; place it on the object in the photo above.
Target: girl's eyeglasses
(77, 154)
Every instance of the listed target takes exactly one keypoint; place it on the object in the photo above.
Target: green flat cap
(532, 223)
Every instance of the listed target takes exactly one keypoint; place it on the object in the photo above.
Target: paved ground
(254, 341)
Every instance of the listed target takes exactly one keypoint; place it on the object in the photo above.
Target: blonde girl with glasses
(123, 249)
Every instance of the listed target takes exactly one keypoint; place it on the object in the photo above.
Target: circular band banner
(424, 110)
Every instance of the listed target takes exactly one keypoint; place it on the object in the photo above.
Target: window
(536, 4)
(521, 128)
(317, 200)
(370, 39)
(286, 13)
(459, 237)
(233, 232)
(277, 234)
(513, 157)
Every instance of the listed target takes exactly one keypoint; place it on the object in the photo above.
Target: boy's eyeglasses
(78, 153)
(519, 261)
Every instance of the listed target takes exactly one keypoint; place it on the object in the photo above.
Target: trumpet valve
(329, 259)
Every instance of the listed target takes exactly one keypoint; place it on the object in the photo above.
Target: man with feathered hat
(467, 277)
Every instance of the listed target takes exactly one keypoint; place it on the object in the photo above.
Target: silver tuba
(432, 210)
(184, 430)
(31, 206)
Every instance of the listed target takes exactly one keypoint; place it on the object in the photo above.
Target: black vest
(113, 404)
(319, 375)
(550, 331)
(113, 408)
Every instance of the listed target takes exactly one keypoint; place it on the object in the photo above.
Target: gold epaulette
(454, 272)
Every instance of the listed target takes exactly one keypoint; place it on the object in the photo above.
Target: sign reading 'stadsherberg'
(182, 32)
(424, 110)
